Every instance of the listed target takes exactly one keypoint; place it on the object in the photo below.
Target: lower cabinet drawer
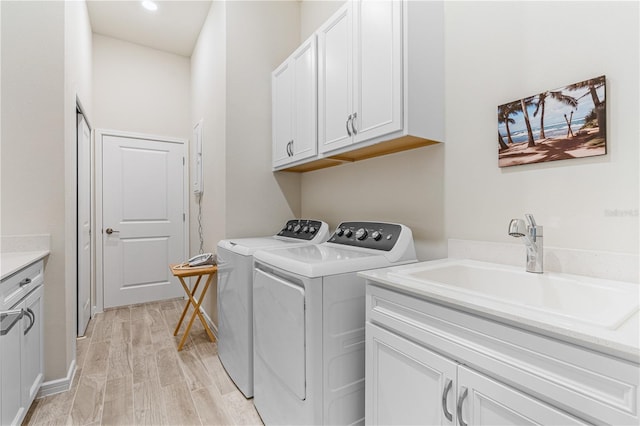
(17, 286)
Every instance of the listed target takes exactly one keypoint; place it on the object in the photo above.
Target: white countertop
(12, 262)
(623, 342)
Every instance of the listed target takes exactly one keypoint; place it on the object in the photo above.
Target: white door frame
(86, 197)
(99, 236)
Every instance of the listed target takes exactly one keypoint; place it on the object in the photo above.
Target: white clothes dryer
(235, 293)
(309, 322)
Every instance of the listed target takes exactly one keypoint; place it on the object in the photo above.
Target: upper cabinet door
(282, 105)
(378, 68)
(294, 106)
(335, 80)
(305, 118)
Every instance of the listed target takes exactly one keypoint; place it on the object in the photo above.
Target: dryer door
(279, 329)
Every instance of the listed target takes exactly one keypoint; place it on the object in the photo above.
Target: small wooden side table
(184, 272)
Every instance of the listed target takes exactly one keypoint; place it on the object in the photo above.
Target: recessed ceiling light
(150, 5)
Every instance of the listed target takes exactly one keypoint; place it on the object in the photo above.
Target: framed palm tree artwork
(559, 124)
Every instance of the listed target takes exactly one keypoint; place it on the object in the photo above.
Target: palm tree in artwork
(599, 106)
(501, 143)
(504, 116)
(524, 103)
(556, 95)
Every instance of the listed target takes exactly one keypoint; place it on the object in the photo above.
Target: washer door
(279, 329)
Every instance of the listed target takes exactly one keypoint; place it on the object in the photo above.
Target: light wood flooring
(130, 373)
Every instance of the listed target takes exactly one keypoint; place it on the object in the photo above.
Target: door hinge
(184, 217)
(183, 161)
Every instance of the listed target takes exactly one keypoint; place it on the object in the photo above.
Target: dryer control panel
(373, 235)
(302, 229)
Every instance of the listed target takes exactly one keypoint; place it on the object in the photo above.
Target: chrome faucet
(532, 237)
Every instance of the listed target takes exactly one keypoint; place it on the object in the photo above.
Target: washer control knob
(339, 232)
(361, 234)
(305, 229)
(297, 228)
(376, 235)
(290, 228)
(348, 232)
(312, 230)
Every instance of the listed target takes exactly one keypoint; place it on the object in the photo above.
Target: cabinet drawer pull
(25, 282)
(445, 392)
(353, 123)
(32, 317)
(348, 122)
(459, 407)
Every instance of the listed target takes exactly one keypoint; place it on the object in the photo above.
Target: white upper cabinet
(294, 103)
(360, 73)
(380, 75)
(378, 87)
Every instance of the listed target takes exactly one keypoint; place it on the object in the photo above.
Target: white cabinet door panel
(406, 382)
(282, 102)
(32, 344)
(488, 402)
(378, 68)
(335, 80)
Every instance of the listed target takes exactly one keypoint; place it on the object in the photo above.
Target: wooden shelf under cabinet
(403, 143)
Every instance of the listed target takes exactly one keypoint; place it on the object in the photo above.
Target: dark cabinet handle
(25, 282)
(32, 317)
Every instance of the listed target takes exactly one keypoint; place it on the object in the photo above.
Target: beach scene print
(559, 124)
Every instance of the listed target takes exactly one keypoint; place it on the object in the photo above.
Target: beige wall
(208, 101)
(260, 35)
(569, 198)
(456, 190)
(139, 89)
(33, 152)
(239, 46)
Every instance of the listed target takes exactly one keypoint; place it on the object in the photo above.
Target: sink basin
(568, 299)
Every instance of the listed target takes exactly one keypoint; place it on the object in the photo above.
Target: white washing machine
(309, 321)
(235, 293)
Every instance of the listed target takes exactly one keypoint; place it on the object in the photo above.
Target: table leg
(186, 306)
(196, 304)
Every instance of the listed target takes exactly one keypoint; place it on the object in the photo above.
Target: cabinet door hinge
(184, 217)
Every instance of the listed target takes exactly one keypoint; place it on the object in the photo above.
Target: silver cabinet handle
(445, 392)
(459, 407)
(32, 317)
(353, 123)
(25, 282)
(291, 148)
(110, 231)
(348, 121)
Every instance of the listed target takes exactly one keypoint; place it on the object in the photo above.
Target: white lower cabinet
(431, 364)
(21, 343)
(408, 384)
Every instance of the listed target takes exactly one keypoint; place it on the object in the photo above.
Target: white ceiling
(174, 27)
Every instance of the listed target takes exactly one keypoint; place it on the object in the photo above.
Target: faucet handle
(531, 220)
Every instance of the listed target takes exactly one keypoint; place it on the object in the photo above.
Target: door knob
(110, 231)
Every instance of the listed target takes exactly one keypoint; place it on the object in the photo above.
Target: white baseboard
(212, 326)
(59, 385)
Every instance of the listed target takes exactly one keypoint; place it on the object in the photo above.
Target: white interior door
(84, 224)
(143, 214)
